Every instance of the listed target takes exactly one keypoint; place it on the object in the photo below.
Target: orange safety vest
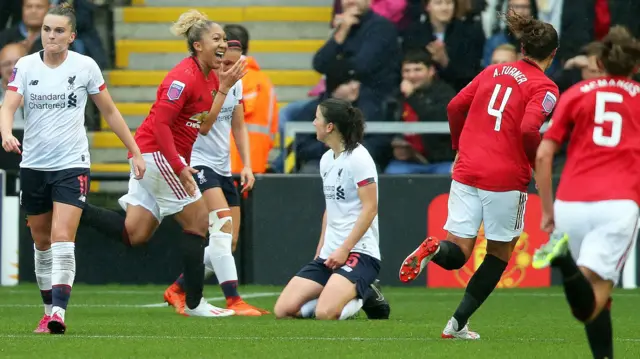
(260, 117)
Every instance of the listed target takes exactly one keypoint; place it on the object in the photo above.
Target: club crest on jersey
(549, 102)
(175, 90)
(13, 74)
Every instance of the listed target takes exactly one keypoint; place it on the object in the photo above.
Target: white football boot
(204, 309)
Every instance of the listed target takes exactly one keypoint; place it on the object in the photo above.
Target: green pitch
(129, 322)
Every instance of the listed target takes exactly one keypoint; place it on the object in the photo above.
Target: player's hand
(10, 143)
(139, 166)
(337, 258)
(234, 244)
(186, 178)
(246, 179)
(232, 75)
(547, 224)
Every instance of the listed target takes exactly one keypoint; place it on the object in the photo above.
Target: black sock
(482, 283)
(106, 221)
(600, 334)
(577, 288)
(192, 254)
(450, 256)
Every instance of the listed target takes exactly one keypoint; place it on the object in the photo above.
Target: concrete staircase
(284, 36)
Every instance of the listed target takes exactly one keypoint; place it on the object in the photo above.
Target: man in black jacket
(424, 98)
(364, 47)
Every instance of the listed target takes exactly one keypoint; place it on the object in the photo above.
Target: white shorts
(501, 212)
(159, 191)
(600, 233)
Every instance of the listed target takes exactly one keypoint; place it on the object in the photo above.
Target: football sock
(193, 273)
(208, 270)
(43, 263)
(106, 221)
(449, 256)
(63, 272)
(481, 284)
(223, 264)
(577, 288)
(351, 309)
(308, 309)
(600, 334)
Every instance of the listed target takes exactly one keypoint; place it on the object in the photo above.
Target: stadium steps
(285, 34)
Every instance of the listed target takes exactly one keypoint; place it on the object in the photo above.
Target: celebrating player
(211, 157)
(188, 101)
(340, 279)
(594, 218)
(54, 172)
(496, 144)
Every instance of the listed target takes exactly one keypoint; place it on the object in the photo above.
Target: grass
(112, 322)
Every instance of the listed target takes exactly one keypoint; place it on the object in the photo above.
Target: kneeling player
(595, 214)
(340, 281)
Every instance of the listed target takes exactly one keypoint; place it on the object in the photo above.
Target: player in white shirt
(54, 172)
(211, 157)
(340, 279)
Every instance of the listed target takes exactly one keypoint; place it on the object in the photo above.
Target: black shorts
(39, 189)
(208, 178)
(362, 271)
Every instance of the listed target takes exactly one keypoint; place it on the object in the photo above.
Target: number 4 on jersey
(492, 103)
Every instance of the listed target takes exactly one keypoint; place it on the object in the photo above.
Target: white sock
(43, 261)
(63, 273)
(221, 258)
(208, 267)
(351, 309)
(308, 309)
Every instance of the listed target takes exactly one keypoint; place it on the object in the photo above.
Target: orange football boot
(244, 309)
(175, 297)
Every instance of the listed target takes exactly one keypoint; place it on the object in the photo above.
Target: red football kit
(601, 121)
(495, 125)
(183, 100)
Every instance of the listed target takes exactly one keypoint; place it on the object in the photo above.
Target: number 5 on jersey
(492, 104)
(602, 116)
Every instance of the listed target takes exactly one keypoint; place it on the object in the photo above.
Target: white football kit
(54, 105)
(341, 178)
(213, 150)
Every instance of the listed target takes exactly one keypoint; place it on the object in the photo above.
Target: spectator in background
(87, 41)
(393, 10)
(504, 36)
(505, 53)
(424, 98)
(581, 67)
(28, 30)
(309, 150)
(10, 13)
(364, 47)
(455, 45)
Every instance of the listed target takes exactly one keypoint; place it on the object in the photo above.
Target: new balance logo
(73, 100)
(33, 82)
(340, 193)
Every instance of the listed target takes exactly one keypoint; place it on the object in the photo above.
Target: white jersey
(341, 178)
(213, 150)
(54, 104)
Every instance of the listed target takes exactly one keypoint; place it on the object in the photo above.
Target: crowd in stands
(403, 60)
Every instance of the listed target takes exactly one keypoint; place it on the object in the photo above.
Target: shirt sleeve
(539, 107)
(363, 169)
(18, 78)
(238, 92)
(96, 81)
(562, 120)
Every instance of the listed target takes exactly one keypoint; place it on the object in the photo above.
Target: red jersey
(600, 118)
(183, 100)
(505, 106)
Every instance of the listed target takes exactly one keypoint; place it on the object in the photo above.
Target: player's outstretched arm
(119, 126)
(543, 172)
(8, 109)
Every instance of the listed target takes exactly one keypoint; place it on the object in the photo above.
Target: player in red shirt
(495, 127)
(594, 219)
(188, 102)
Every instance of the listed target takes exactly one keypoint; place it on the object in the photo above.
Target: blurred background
(400, 62)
